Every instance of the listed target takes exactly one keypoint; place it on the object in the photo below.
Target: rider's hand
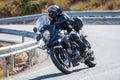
(35, 29)
(38, 37)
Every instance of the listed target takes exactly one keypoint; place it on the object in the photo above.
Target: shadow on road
(47, 76)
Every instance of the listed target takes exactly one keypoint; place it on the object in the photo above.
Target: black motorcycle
(64, 52)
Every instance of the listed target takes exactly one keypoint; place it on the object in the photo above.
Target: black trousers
(81, 44)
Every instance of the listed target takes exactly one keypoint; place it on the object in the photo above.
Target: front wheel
(61, 61)
(90, 62)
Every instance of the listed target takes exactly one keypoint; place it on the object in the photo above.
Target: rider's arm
(62, 23)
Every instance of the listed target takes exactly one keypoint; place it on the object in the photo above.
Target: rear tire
(90, 62)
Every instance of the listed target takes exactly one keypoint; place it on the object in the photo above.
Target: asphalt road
(105, 41)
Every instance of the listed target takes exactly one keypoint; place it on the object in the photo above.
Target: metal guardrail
(18, 32)
(14, 49)
(88, 16)
(17, 48)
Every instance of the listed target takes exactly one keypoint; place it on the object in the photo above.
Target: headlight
(46, 50)
(59, 40)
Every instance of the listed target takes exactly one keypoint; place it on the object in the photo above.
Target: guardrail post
(23, 36)
(30, 55)
(12, 62)
(24, 22)
(104, 19)
(6, 74)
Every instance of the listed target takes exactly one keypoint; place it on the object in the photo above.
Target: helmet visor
(52, 14)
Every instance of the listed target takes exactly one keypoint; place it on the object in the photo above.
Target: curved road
(105, 41)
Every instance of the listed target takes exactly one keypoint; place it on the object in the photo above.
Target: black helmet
(54, 11)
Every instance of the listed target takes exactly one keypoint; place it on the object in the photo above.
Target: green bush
(31, 7)
(95, 3)
(110, 6)
(64, 4)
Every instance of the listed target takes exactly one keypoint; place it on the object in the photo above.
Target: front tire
(57, 57)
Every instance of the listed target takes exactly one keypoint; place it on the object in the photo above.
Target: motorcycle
(65, 59)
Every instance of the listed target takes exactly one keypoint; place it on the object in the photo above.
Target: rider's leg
(76, 38)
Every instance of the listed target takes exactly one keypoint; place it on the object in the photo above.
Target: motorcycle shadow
(53, 75)
(47, 76)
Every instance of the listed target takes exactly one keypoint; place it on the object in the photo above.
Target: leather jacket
(62, 23)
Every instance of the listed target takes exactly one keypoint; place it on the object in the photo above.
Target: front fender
(56, 49)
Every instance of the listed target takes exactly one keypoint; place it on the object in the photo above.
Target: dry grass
(96, 5)
(1, 70)
(1, 74)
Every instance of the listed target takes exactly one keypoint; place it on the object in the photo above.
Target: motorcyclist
(61, 21)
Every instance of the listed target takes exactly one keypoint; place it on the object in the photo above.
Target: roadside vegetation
(9, 8)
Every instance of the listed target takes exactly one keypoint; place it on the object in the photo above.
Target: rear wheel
(90, 62)
(61, 61)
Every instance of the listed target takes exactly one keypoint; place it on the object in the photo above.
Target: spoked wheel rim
(64, 61)
(90, 62)
(92, 58)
